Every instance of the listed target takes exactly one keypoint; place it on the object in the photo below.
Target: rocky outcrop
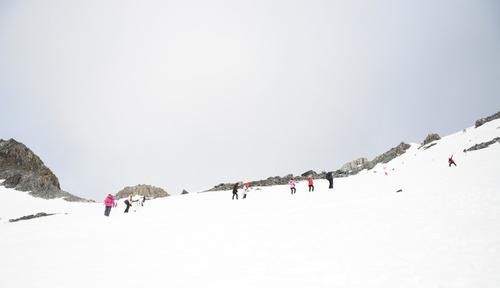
(23, 170)
(487, 119)
(184, 192)
(350, 168)
(482, 145)
(389, 155)
(431, 138)
(149, 191)
(32, 216)
(355, 166)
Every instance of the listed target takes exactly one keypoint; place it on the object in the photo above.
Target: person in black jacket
(329, 177)
(128, 203)
(235, 191)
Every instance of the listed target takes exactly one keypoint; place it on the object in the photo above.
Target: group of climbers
(110, 202)
(292, 183)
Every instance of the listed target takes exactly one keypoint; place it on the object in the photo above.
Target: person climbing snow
(329, 177)
(451, 161)
(128, 203)
(109, 202)
(310, 183)
(292, 184)
(246, 190)
(235, 191)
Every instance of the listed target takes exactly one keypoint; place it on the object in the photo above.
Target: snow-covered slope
(442, 230)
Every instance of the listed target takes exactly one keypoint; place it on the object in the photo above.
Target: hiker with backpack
(329, 177)
(235, 191)
(109, 203)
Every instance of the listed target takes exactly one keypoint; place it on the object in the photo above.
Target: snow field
(441, 231)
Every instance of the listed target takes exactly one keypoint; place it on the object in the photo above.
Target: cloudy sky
(189, 94)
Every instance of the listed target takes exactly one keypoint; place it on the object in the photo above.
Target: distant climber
(451, 161)
(292, 184)
(310, 183)
(246, 189)
(128, 203)
(109, 202)
(329, 177)
(235, 191)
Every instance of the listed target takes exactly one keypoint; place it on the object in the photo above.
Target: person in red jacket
(451, 161)
(109, 202)
(310, 183)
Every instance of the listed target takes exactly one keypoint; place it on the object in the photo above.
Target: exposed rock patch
(431, 138)
(429, 146)
(487, 119)
(355, 166)
(184, 192)
(149, 191)
(482, 145)
(389, 155)
(32, 216)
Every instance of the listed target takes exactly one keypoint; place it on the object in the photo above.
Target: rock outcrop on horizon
(350, 168)
(151, 192)
(487, 119)
(482, 145)
(431, 138)
(23, 170)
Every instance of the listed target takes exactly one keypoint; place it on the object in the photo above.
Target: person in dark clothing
(128, 203)
(235, 191)
(329, 177)
(143, 200)
(451, 161)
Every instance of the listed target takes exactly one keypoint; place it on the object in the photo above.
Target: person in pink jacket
(310, 183)
(109, 202)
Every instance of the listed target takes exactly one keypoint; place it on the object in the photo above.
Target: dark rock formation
(482, 145)
(429, 146)
(431, 138)
(487, 119)
(356, 166)
(32, 216)
(25, 171)
(389, 155)
(184, 192)
(149, 191)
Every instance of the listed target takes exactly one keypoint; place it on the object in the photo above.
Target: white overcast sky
(189, 94)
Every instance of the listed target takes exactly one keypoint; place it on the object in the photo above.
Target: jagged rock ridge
(487, 119)
(347, 169)
(23, 170)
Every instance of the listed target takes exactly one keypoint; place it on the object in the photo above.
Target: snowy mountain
(440, 230)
